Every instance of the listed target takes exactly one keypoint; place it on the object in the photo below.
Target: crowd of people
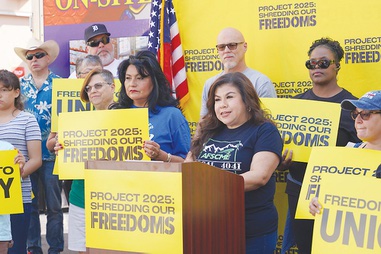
(231, 113)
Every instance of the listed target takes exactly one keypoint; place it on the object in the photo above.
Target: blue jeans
(54, 227)
(262, 244)
(19, 227)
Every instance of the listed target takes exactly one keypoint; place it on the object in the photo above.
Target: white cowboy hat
(51, 47)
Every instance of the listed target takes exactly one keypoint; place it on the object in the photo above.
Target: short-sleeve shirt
(18, 132)
(38, 102)
(233, 150)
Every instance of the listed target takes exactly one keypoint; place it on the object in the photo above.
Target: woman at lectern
(238, 136)
(144, 85)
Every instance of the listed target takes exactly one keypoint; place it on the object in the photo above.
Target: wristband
(169, 157)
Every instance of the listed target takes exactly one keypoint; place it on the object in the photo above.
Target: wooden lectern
(213, 205)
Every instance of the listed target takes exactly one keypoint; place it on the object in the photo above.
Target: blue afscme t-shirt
(233, 150)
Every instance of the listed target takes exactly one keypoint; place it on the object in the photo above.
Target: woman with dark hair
(236, 135)
(323, 67)
(20, 129)
(144, 85)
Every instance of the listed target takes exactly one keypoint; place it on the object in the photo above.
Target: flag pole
(162, 34)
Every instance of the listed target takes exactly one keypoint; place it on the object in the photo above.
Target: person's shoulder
(53, 75)
(251, 72)
(25, 116)
(268, 125)
(256, 77)
(169, 109)
(28, 115)
(345, 94)
(26, 78)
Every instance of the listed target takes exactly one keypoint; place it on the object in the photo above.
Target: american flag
(167, 46)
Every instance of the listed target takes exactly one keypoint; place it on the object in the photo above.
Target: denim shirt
(38, 102)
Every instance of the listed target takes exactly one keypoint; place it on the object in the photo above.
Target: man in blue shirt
(36, 88)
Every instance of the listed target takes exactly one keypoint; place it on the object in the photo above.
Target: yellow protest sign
(10, 184)
(304, 124)
(67, 98)
(139, 207)
(100, 135)
(326, 162)
(350, 219)
(278, 35)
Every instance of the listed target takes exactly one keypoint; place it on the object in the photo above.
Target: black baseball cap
(95, 30)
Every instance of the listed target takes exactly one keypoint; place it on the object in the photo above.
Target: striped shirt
(18, 132)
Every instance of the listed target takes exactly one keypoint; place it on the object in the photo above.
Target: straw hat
(51, 47)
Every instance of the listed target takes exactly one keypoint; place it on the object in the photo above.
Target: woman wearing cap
(20, 129)
(144, 85)
(98, 88)
(366, 112)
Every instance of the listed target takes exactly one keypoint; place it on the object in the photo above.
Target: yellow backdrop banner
(100, 135)
(10, 184)
(279, 34)
(142, 208)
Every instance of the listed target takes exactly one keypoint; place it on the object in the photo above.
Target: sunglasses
(322, 64)
(365, 114)
(38, 55)
(96, 86)
(105, 40)
(231, 46)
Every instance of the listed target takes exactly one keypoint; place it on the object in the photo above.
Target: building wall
(20, 20)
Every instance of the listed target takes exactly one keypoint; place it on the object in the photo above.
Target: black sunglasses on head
(105, 40)
(38, 55)
(322, 64)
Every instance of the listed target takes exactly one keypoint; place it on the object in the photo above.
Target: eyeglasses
(365, 114)
(97, 86)
(323, 63)
(38, 55)
(231, 46)
(105, 40)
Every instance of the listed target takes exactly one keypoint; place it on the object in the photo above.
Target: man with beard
(98, 43)
(231, 47)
